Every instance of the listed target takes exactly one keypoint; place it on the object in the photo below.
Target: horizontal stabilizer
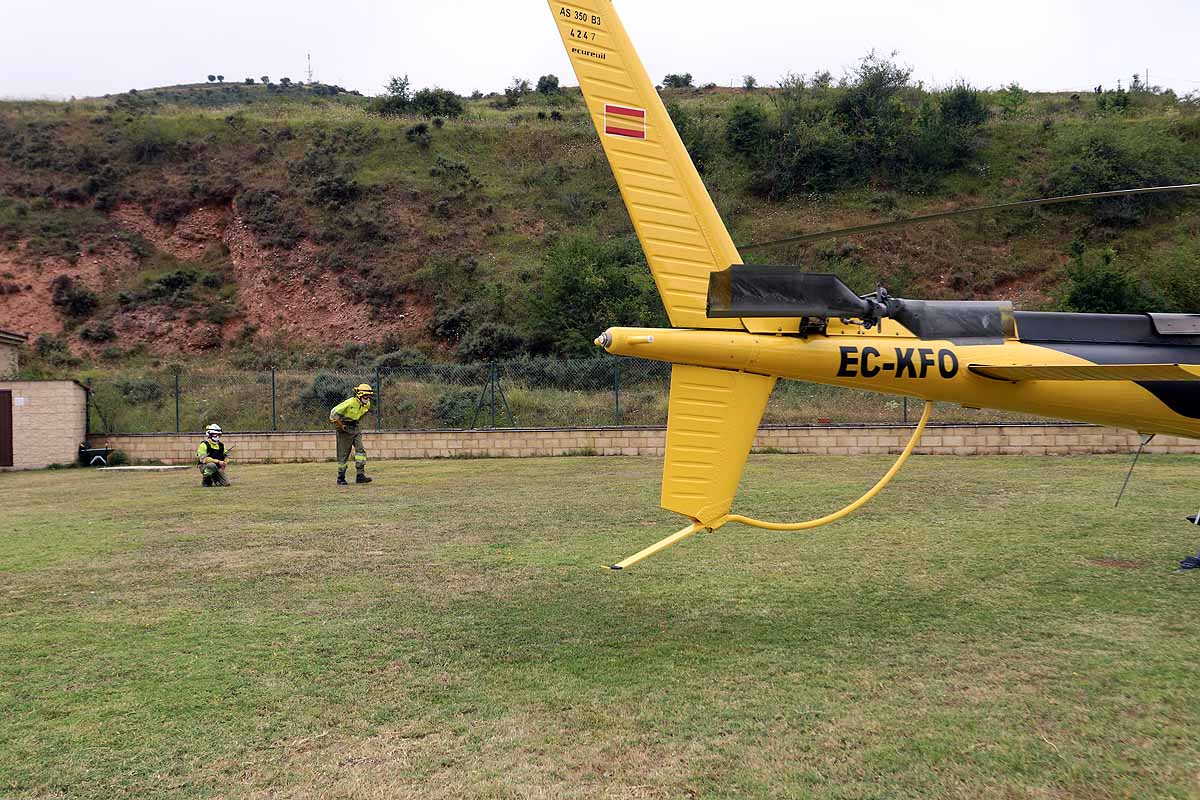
(1090, 372)
(755, 290)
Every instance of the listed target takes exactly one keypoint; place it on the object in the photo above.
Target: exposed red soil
(187, 240)
(163, 331)
(1025, 291)
(30, 310)
(280, 292)
(286, 291)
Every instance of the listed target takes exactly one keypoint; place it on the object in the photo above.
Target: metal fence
(529, 393)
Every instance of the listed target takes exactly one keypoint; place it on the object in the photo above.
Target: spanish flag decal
(624, 121)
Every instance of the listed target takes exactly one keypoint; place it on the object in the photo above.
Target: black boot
(342, 479)
(206, 480)
(361, 478)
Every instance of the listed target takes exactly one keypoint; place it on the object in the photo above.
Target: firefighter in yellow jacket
(213, 457)
(345, 417)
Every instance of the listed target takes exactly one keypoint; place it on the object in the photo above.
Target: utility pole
(310, 67)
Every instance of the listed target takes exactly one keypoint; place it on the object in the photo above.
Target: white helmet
(213, 431)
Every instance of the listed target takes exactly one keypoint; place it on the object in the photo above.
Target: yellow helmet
(363, 390)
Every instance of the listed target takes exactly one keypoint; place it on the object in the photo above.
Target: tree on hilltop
(396, 99)
(398, 87)
(212, 78)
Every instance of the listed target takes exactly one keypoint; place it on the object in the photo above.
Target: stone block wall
(503, 443)
(49, 422)
(8, 361)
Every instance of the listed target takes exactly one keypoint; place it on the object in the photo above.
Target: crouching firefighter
(345, 417)
(213, 458)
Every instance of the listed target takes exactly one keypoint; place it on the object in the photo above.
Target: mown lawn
(989, 627)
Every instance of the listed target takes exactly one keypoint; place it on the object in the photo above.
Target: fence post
(378, 401)
(274, 410)
(617, 387)
(177, 401)
(492, 384)
(906, 409)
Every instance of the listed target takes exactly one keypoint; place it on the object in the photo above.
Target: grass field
(989, 627)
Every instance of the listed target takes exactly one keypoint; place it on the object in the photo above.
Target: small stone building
(41, 423)
(9, 342)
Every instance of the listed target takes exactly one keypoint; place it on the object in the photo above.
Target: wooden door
(6, 429)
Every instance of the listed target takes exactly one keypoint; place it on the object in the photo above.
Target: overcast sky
(60, 48)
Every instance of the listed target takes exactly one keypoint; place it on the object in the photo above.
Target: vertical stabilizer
(680, 230)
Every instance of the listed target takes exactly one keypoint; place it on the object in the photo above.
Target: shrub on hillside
(332, 191)
(695, 136)
(677, 80)
(326, 391)
(871, 110)
(817, 157)
(963, 106)
(402, 357)
(1111, 101)
(419, 134)
(823, 137)
(73, 300)
(1173, 275)
(1097, 285)
(53, 350)
(547, 84)
(459, 188)
(746, 128)
(437, 103)
(98, 333)
(936, 144)
(450, 324)
(456, 408)
(1106, 156)
(554, 373)
(586, 286)
(264, 212)
(140, 391)
(390, 106)
(491, 341)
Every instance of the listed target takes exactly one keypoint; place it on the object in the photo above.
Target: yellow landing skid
(696, 527)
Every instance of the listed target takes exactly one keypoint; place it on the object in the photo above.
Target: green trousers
(351, 438)
(215, 473)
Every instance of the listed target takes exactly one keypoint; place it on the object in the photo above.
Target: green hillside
(305, 225)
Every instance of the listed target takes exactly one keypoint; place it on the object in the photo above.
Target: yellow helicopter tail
(714, 414)
(679, 228)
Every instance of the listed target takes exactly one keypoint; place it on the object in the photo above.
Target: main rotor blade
(1046, 201)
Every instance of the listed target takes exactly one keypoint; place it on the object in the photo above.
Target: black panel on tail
(1119, 339)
